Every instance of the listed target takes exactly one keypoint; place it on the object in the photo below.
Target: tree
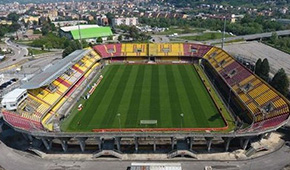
(110, 37)
(74, 45)
(67, 51)
(3, 30)
(274, 38)
(280, 82)
(265, 69)
(13, 17)
(34, 23)
(120, 38)
(85, 44)
(258, 67)
(14, 27)
(110, 17)
(99, 40)
(45, 29)
(48, 45)
(133, 32)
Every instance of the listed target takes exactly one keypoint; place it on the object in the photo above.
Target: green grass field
(147, 92)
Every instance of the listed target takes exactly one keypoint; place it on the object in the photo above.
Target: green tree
(99, 40)
(133, 32)
(265, 69)
(280, 82)
(110, 37)
(3, 30)
(85, 44)
(110, 17)
(34, 23)
(274, 38)
(67, 51)
(258, 67)
(120, 38)
(13, 17)
(14, 27)
(45, 29)
(49, 45)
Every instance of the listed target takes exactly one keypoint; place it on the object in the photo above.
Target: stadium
(140, 97)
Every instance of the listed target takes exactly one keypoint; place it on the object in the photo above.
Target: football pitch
(172, 95)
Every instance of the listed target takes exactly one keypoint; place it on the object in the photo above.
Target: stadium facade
(39, 107)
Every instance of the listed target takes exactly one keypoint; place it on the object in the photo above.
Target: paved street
(160, 39)
(17, 56)
(251, 36)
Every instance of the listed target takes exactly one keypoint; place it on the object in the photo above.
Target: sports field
(147, 92)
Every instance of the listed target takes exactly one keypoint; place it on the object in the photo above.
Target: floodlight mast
(80, 35)
(119, 117)
(181, 115)
(224, 32)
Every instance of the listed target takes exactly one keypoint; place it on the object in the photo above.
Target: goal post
(148, 122)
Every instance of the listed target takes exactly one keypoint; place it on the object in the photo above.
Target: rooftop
(76, 27)
(54, 71)
(11, 96)
(93, 32)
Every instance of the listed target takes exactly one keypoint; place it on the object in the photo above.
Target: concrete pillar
(245, 144)
(190, 143)
(99, 141)
(82, 142)
(208, 143)
(154, 144)
(30, 138)
(25, 136)
(47, 143)
(136, 144)
(63, 144)
(172, 143)
(241, 142)
(118, 143)
(1, 124)
(227, 141)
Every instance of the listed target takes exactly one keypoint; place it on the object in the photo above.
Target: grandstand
(170, 49)
(259, 98)
(108, 50)
(48, 90)
(134, 50)
(211, 93)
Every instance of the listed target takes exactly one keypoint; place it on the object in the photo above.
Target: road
(19, 58)
(20, 50)
(160, 39)
(242, 37)
(250, 37)
(18, 54)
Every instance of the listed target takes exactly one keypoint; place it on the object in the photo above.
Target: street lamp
(181, 115)
(119, 117)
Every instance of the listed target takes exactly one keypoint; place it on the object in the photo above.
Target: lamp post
(119, 117)
(181, 116)
(223, 34)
